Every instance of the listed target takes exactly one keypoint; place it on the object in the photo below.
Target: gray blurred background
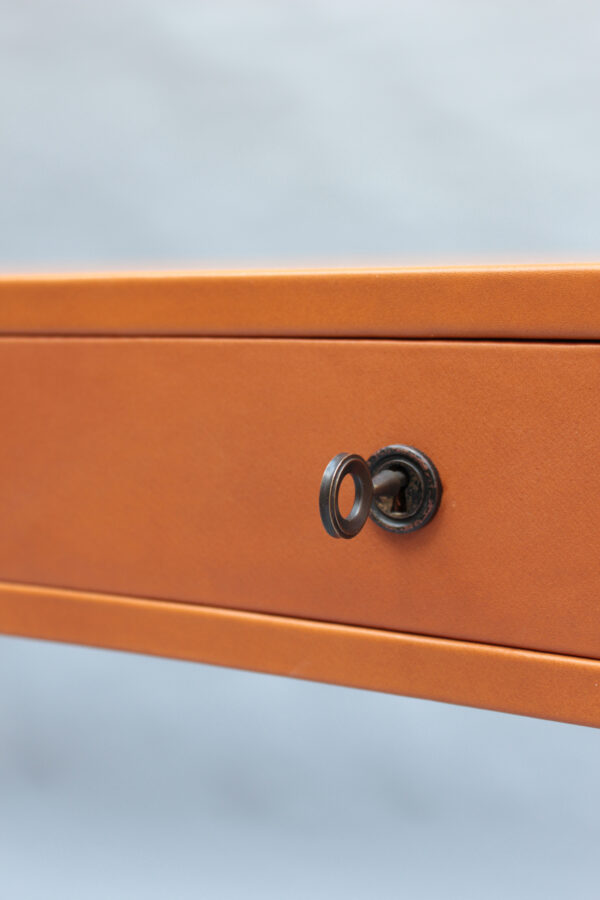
(151, 135)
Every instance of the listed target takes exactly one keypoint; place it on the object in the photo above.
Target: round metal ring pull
(335, 523)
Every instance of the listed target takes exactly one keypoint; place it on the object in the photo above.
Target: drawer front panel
(189, 470)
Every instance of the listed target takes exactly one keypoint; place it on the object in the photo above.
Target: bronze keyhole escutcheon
(399, 488)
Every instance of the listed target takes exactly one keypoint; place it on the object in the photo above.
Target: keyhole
(399, 503)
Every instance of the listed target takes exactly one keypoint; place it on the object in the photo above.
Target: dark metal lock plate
(418, 501)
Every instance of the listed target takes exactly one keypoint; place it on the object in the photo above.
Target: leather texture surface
(533, 302)
(189, 470)
(517, 681)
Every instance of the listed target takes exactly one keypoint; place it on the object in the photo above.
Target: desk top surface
(546, 302)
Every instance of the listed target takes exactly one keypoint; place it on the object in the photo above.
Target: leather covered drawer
(188, 470)
(164, 437)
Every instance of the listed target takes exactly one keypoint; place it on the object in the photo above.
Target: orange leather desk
(164, 437)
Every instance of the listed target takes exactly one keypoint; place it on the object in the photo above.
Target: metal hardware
(399, 488)
(419, 500)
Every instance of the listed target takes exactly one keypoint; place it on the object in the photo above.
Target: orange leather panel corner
(532, 302)
(534, 684)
